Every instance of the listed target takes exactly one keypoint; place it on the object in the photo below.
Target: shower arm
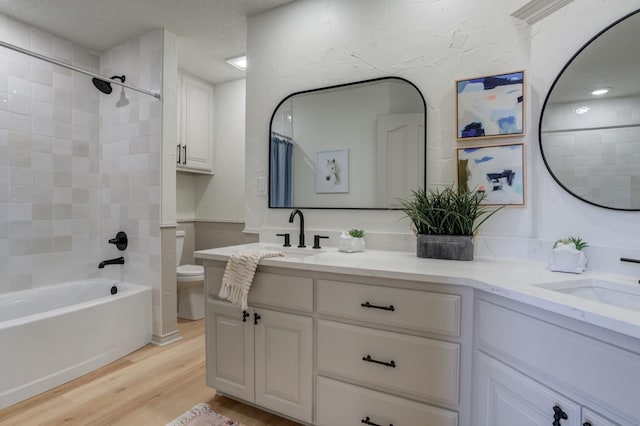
(73, 68)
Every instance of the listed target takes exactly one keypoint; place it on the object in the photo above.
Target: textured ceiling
(209, 30)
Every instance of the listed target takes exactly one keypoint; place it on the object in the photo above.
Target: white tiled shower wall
(130, 138)
(49, 162)
(73, 168)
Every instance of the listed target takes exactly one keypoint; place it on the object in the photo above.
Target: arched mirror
(590, 122)
(353, 146)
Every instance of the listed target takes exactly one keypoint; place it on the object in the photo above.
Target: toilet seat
(187, 273)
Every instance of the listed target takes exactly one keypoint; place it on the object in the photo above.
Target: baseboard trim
(165, 340)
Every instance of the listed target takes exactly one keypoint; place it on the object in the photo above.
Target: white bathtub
(54, 334)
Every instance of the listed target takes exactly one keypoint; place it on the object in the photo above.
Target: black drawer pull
(384, 308)
(367, 421)
(245, 314)
(368, 358)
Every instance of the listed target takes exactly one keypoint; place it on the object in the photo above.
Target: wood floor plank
(151, 386)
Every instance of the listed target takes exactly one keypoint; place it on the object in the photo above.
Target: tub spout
(116, 261)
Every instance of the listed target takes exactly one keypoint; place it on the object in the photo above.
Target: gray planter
(452, 247)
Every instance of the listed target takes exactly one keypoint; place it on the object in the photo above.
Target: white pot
(565, 258)
(351, 245)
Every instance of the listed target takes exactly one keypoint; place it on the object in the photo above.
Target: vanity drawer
(283, 291)
(424, 368)
(413, 309)
(344, 404)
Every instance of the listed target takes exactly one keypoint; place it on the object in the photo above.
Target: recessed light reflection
(599, 92)
(582, 110)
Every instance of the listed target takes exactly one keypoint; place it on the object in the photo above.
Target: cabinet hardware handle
(367, 421)
(256, 317)
(245, 315)
(558, 415)
(586, 424)
(384, 308)
(368, 358)
(184, 160)
(179, 152)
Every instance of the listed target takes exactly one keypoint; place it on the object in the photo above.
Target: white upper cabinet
(195, 120)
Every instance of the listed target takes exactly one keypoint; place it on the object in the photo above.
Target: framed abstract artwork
(489, 107)
(496, 170)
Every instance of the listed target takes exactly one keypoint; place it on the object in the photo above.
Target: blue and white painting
(498, 171)
(491, 106)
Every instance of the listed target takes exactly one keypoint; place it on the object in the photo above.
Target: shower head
(123, 101)
(105, 86)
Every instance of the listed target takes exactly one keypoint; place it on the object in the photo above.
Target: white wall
(314, 43)
(219, 197)
(186, 196)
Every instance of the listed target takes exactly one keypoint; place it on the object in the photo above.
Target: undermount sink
(612, 293)
(296, 252)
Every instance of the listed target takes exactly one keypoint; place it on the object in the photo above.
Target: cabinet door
(229, 335)
(284, 363)
(589, 418)
(196, 133)
(505, 397)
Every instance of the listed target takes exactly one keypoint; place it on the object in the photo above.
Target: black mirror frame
(544, 105)
(424, 179)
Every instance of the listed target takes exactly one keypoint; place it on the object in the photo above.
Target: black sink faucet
(116, 261)
(291, 217)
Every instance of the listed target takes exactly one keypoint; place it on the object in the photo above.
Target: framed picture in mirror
(496, 170)
(491, 106)
(332, 171)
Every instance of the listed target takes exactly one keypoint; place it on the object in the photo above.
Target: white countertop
(515, 280)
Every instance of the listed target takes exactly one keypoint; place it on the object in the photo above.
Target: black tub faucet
(291, 217)
(116, 261)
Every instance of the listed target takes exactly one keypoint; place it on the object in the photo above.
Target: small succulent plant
(578, 242)
(356, 233)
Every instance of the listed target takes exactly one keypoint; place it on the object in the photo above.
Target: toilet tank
(179, 245)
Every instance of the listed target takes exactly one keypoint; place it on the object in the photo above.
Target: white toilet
(190, 282)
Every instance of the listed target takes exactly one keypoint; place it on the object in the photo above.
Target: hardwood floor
(149, 387)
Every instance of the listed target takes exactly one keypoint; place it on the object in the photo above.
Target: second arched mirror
(590, 123)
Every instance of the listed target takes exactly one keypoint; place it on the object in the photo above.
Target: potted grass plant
(446, 220)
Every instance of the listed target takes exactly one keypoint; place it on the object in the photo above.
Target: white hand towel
(239, 273)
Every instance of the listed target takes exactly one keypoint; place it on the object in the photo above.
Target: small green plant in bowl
(578, 242)
(356, 233)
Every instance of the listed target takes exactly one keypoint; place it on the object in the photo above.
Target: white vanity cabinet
(194, 152)
(532, 367)
(332, 349)
(263, 355)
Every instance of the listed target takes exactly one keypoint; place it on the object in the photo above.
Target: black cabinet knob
(245, 315)
(256, 317)
(558, 415)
